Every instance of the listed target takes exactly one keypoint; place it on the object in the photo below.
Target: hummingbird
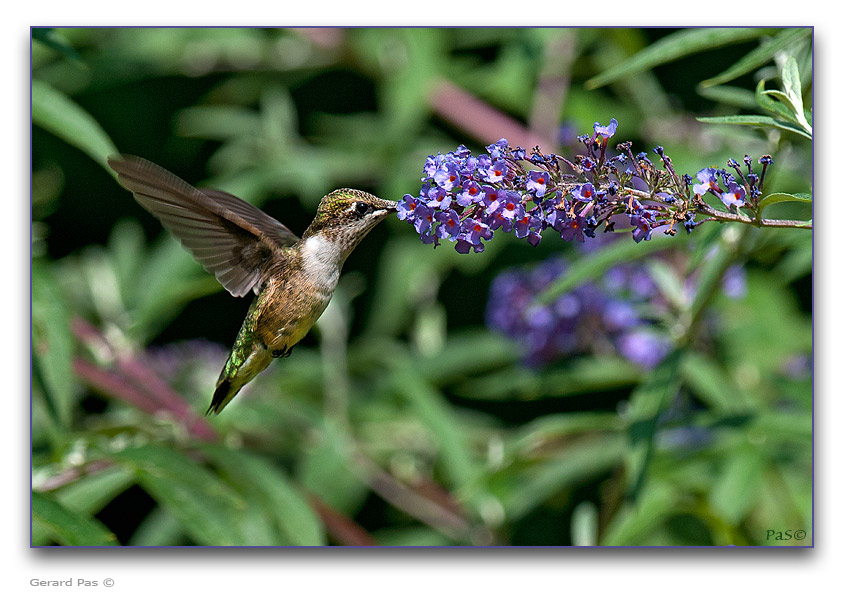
(248, 251)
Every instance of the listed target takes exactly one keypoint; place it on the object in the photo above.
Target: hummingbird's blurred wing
(232, 239)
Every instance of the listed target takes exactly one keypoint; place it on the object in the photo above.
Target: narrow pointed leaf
(66, 527)
(568, 467)
(765, 101)
(738, 486)
(158, 529)
(753, 120)
(760, 56)
(793, 89)
(49, 37)
(791, 83)
(729, 96)
(783, 197)
(91, 493)
(676, 45)
(57, 113)
(207, 509)
(433, 410)
(52, 344)
(280, 501)
(646, 405)
(790, 111)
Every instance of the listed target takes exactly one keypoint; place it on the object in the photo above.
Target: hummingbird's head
(345, 216)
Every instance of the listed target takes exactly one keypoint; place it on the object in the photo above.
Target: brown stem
(113, 385)
(71, 474)
(553, 83)
(342, 529)
(406, 499)
(135, 383)
(479, 119)
(740, 218)
(722, 216)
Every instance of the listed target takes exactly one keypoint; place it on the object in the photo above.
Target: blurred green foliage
(402, 420)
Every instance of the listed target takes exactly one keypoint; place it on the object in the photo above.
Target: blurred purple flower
(644, 348)
(616, 312)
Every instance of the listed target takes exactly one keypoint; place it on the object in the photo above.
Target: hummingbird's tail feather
(221, 397)
(246, 360)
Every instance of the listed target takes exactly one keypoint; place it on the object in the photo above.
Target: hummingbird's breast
(297, 293)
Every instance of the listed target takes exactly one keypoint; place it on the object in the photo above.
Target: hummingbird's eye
(362, 208)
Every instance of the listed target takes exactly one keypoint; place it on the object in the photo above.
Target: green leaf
(52, 344)
(558, 427)
(635, 522)
(791, 84)
(778, 197)
(646, 404)
(674, 46)
(414, 536)
(786, 100)
(325, 470)
(464, 354)
(66, 527)
(522, 489)
(793, 89)
(596, 264)
(48, 36)
(759, 56)
(668, 282)
(584, 525)
(433, 410)
(754, 120)
(796, 263)
(734, 492)
(580, 376)
(168, 278)
(789, 102)
(278, 498)
(764, 100)
(160, 528)
(729, 96)
(58, 114)
(712, 384)
(711, 272)
(218, 122)
(90, 493)
(207, 509)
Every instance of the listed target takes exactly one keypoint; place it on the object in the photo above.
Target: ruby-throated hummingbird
(247, 250)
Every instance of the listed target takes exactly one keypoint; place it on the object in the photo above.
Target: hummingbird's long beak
(387, 206)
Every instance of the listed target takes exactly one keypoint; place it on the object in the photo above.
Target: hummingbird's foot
(277, 353)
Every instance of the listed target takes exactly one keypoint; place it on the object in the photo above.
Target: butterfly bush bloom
(605, 132)
(614, 314)
(708, 179)
(735, 197)
(510, 190)
(537, 183)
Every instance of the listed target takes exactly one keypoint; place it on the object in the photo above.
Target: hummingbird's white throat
(322, 259)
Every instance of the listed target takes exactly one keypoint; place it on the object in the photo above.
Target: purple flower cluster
(616, 315)
(465, 199)
(733, 195)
